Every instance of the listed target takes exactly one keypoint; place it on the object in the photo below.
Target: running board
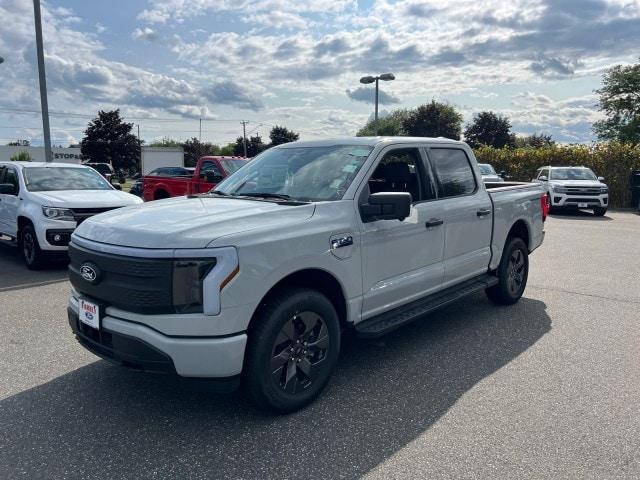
(393, 319)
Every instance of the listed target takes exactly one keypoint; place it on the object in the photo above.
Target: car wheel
(292, 350)
(599, 211)
(30, 248)
(513, 272)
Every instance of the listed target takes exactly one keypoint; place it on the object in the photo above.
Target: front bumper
(141, 347)
(46, 229)
(572, 200)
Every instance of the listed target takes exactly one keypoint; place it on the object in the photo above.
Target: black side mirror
(8, 189)
(117, 186)
(386, 206)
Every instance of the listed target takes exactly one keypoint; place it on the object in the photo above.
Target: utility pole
(200, 136)
(139, 149)
(376, 117)
(244, 136)
(44, 105)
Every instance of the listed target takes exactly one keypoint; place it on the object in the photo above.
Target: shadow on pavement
(579, 215)
(104, 421)
(14, 275)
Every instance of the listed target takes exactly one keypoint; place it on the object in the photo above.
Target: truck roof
(368, 141)
(43, 164)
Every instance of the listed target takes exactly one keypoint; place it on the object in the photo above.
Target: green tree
(537, 140)
(620, 101)
(108, 139)
(21, 157)
(228, 149)
(194, 149)
(166, 142)
(389, 125)
(280, 135)
(433, 119)
(19, 143)
(254, 146)
(488, 128)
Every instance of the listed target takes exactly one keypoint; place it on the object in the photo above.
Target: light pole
(44, 105)
(384, 77)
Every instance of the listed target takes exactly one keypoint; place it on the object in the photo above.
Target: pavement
(547, 388)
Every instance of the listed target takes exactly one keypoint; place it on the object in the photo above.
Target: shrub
(614, 161)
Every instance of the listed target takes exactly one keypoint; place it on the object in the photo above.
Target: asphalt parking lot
(547, 388)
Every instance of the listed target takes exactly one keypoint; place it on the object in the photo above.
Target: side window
(454, 175)
(398, 171)
(2, 170)
(544, 173)
(11, 176)
(210, 167)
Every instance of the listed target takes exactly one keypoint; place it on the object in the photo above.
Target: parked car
(488, 173)
(42, 203)
(574, 188)
(255, 281)
(104, 169)
(136, 188)
(176, 181)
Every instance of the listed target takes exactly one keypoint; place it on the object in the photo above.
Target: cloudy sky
(168, 63)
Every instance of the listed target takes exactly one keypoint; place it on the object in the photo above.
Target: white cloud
(145, 33)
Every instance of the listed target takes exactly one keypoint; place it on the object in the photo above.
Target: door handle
(483, 212)
(434, 222)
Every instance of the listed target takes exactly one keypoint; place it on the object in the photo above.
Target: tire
(30, 248)
(599, 211)
(160, 195)
(513, 272)
(551, 210)
(292, 350)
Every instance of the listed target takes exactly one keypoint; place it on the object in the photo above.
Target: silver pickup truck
(254, 283)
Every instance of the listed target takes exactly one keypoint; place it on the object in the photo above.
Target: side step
(393, 319)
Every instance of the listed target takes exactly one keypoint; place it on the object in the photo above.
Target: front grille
(81, 214)
(138, 285)
(589, 191)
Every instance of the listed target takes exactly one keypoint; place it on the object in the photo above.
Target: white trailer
(156, 157)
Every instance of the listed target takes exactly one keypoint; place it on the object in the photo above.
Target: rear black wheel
(292, 350)
(513, 272)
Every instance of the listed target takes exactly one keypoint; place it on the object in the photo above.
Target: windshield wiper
(218, 192)
(281, 196)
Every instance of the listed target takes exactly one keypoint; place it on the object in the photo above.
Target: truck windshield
(231, 165)
(45, 179)
(572, 174)
(299, 173)
(486, 169)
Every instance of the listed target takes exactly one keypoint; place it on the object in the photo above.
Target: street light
(44, 105)
(385, 77)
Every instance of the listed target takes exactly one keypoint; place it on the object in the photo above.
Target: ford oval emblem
(90, 273)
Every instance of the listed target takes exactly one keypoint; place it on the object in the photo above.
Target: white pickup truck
(253, 283)
(42, 203)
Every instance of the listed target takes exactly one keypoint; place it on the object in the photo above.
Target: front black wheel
(292, 350)
(513, 272)
(599, 211)
(30, 248)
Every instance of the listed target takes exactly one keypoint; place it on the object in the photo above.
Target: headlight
(58, 213)
(188, 276)
(604, 190)
(558, 189)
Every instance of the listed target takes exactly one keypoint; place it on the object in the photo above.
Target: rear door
(467, 212)
(401, 260)
(9, 202)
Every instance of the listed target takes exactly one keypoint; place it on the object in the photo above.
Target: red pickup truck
(168, 182)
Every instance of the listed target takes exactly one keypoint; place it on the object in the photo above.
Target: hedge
(613, 161)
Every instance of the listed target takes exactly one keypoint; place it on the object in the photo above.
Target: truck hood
(577, 183)
(85, 198)
(184, 222)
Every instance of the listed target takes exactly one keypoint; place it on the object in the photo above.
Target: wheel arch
(312, 278)
(521, 230)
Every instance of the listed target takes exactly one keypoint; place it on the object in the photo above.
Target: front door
(401, 260)
(468, 214)
(210, 176)
(9, 203)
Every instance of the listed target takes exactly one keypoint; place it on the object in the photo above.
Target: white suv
(574, 188)
(42, 203)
